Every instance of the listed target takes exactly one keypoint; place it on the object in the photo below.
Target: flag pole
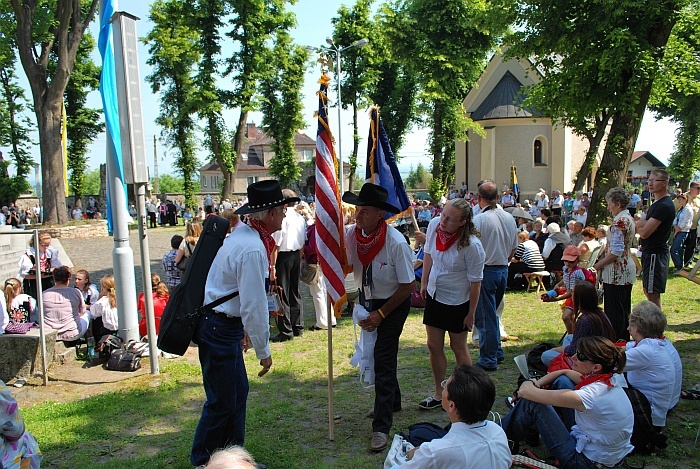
(331, 412)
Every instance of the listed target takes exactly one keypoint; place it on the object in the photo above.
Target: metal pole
(40, 305)
(146, 270)
(340, 105)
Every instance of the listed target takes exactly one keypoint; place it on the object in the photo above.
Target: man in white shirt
(382, 262)
(473, 441)
(499, 237)
(286, 259)
(507, 200)
(241, 265)
(557, 201)
(208, 204)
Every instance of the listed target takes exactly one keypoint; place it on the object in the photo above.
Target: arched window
(537, 152)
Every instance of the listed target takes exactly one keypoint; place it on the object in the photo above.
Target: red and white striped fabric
(329, 217)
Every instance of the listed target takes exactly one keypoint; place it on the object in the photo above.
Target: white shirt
(581, 218)
(651, 369)
(558, 200)
(18, 300)
(292, 235)
(499, 235)
(25, 263)
(684, 219)
(604, 429)
(576, 205)
(241, 265)
(391, 267)
(482, 444)
(92, 294)
(4, 318)
(77, 214)
(109, 316)
(453, 270)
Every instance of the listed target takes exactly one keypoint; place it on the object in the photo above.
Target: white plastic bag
(364, 347)
(397, 453)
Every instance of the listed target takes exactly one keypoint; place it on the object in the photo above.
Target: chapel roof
(505, 101)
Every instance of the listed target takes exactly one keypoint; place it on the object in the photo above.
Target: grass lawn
(150, 423)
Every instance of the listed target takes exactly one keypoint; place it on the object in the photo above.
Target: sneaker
(430, 403)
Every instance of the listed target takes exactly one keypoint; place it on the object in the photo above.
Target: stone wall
(92, 229)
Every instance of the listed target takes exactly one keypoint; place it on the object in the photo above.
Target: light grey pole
(147, 285)
(40, 307)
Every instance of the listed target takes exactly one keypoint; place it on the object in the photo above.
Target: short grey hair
(618, 195)
(263, 213)
(649, 320)
(231, 457)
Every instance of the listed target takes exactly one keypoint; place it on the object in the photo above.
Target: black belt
(235, 318)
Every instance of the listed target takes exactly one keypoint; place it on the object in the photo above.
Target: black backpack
(181, 314)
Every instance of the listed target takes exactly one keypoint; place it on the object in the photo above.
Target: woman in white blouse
(104, 312)
(453, 265)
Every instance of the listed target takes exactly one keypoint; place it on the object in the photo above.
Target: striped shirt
(529, 253)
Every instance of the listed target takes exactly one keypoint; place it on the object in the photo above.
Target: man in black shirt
(654, 231)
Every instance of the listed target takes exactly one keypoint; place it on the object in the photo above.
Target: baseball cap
(571, 253)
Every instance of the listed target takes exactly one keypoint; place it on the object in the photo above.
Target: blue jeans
(678, 249)
(225, 383)
(567, 415)
(551, 354)
(493, 287)
(555, 436)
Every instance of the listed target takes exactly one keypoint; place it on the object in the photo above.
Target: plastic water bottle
(91, 347)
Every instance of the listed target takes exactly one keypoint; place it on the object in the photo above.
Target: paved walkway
(95, 254)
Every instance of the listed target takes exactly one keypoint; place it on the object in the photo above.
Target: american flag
(329, 218)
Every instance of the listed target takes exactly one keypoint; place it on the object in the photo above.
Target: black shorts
(446, 317)
(654, 271)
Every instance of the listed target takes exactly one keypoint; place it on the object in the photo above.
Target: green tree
(174, 49)
(445, 43)
(208, 18)
(418, 178)
(614, 51)
(15, 125)
(676, 94)
(44, 28)
(357, 64)
(91, 182)
(83, 124)
(171, 184)
(281, 105)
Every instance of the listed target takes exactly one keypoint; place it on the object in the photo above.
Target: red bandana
(445, 240)
(368, 247)
(265, 235)
(605, 377)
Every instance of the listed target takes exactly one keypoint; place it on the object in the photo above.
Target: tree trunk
(238, 141)
(214, 137)
(53, 185)
(589, 161)
(436, 144)
(625, 129)
(355, 147)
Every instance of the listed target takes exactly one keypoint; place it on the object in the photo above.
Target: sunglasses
(581, 357)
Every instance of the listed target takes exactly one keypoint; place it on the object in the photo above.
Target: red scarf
(265, 235)
(605, 377)
(445, 240)
(368, 247)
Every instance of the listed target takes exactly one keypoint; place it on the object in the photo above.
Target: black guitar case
(185, 306)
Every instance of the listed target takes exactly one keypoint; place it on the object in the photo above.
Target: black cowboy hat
(371, 195)
(264, 195)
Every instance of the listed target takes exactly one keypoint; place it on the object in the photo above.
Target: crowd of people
(581, 409)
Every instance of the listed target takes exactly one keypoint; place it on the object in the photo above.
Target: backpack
(588, 274)
(181, 314)
(424, 432)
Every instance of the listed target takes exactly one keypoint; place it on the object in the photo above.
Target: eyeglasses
(581, 357)
(443, 384)
(652, 181)
(449, 219)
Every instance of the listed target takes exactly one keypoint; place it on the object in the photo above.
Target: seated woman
(87, 289)
(160, 294)
(589, 244)
(554, 247)
(527, 258)
(653, 365)
(18, 448)
(47, 261)
(589, 320)
(64, 308)
(20, 306)
(104, 312)
(194, 231)
(603, 415)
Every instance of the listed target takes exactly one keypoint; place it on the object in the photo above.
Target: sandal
(430, 403)
(691, 394)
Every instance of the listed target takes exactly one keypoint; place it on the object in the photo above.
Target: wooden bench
(534, 279)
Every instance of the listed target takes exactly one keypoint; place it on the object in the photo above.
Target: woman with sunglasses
(603, 414)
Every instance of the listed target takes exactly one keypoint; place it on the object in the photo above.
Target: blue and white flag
(381, 166)
(110, 103)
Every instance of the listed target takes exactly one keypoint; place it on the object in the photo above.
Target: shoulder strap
(210, 307)
(188, 247)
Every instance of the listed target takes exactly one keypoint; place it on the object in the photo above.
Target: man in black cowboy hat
(382, 260)
(241, 265)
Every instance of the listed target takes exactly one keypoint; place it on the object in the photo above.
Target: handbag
(417, 301)
(18, 327)
(107, 344)
(124, 360)
(182, 265)
(275, 301)
(397, 453)
(309, 273)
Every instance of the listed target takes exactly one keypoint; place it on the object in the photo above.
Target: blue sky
(314, 25)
